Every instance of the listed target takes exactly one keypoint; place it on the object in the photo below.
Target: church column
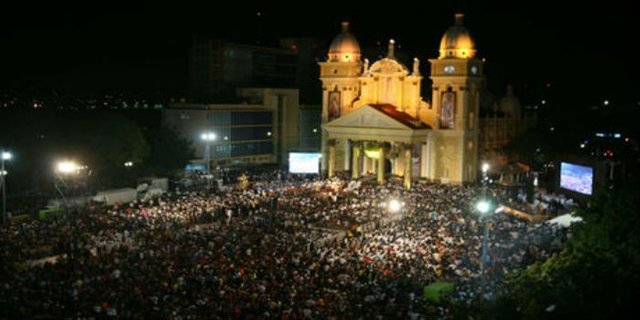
(424, 161)
(347, 154)
(355, 168)
(408, 148)
(381, 165)
(332, 157)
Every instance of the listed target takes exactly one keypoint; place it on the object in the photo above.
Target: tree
(169, 151)
(595, 276)
(114, 140)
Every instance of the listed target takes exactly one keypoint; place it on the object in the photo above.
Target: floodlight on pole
(485, 167)
(208, 137)
(394, 206)
(67, 167)
(483, 206)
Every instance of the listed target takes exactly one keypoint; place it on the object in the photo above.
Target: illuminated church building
(375, 120)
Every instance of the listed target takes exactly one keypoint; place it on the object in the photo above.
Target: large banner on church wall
(447, 110)
(334, 105)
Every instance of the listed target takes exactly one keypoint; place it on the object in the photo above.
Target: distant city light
(552, 129)
(582, 145)
(269, 133)
(544, 102)
(485, 167)
(128, 164)
(226, 138)
(617, 135)
(4, 172)
(606, 102)
(315, 130)
(6, 155)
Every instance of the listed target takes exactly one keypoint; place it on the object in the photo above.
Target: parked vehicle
(110, 197)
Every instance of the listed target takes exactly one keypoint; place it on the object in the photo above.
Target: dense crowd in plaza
(285, 248)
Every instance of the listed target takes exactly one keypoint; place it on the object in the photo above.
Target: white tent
(565, 220)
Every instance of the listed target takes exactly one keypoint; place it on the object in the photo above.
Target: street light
(208, 137)
(67, 167)
(3, 173)
(484, 209)
(394, 206)
(485, 168)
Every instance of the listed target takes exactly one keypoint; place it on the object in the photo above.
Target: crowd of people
(284, 247)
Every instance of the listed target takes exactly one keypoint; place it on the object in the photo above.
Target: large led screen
(304, 162)
(576, 178)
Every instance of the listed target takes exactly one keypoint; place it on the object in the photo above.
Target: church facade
(376, 122)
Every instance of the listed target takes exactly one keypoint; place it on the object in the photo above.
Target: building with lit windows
(376, 121)
(262, 128)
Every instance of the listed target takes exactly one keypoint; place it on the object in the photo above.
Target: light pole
(208, 137)
(485, 168)
(3, 173)
(484, 209)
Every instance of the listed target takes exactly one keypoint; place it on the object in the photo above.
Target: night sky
(586, 54)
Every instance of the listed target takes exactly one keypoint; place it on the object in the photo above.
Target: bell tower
(340, 84)
(457, 77)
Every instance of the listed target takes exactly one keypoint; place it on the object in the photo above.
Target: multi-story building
(261, 128)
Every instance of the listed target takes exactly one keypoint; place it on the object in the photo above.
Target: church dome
(457, 41)
(344, 47)
(510, 105)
